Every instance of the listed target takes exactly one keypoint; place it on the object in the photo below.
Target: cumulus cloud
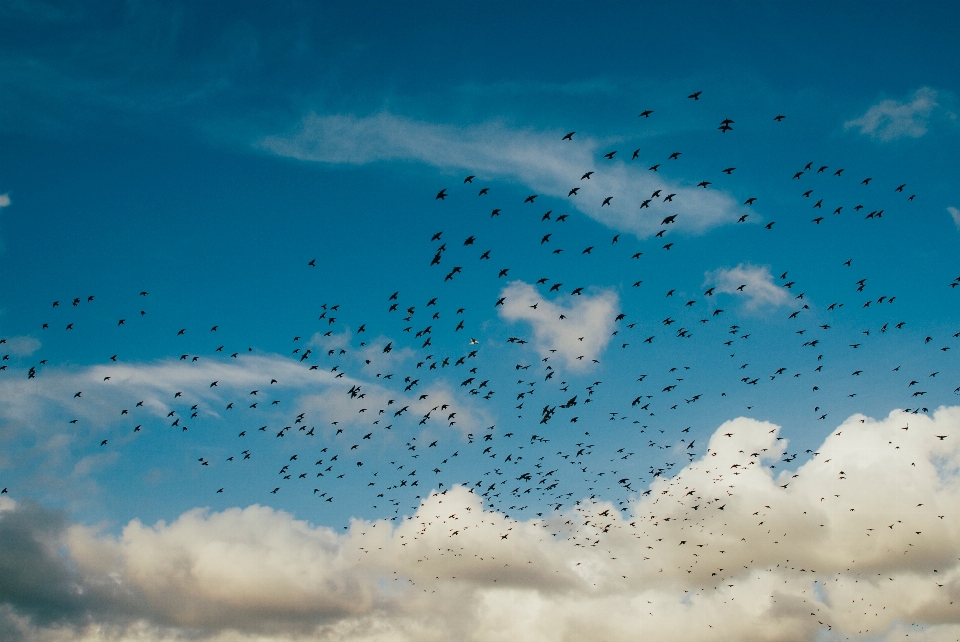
(574, 328)
(539, 160)
(891, 119)
(751, 282)
(955, 215)
(4, 200)
(859, 540)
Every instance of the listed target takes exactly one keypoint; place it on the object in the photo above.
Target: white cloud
(862, 538)
(37, 410)
(578, 338)
(955, 214)
(539, 160)
(890, 119)
(4, 200)
(759, 289)
(375, 360)
(107, 388)
(23, 346)
(347, 410)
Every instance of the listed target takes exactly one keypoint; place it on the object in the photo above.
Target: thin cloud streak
(541, 161)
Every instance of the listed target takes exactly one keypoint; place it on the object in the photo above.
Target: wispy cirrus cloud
(891, 119)
(50, 421)
(539, 160)
(751, 282)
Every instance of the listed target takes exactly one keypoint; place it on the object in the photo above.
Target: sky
(509, 321)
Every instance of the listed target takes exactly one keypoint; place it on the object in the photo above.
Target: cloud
(539, 160)
(4, 200)
(578, 338)
(890, 119)
(759, 290)
(23, 346)
(37, 411)
(955, 214)
(421, 404)
(35, 579)
(108, 388)
(861, 538)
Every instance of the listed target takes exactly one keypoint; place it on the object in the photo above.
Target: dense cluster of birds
(417, 384)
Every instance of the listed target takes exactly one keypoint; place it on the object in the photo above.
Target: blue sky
(272, 172)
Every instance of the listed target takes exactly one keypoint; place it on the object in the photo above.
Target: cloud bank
(538, 160)
(861, 540)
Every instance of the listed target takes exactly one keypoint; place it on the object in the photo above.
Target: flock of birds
(425, 411)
